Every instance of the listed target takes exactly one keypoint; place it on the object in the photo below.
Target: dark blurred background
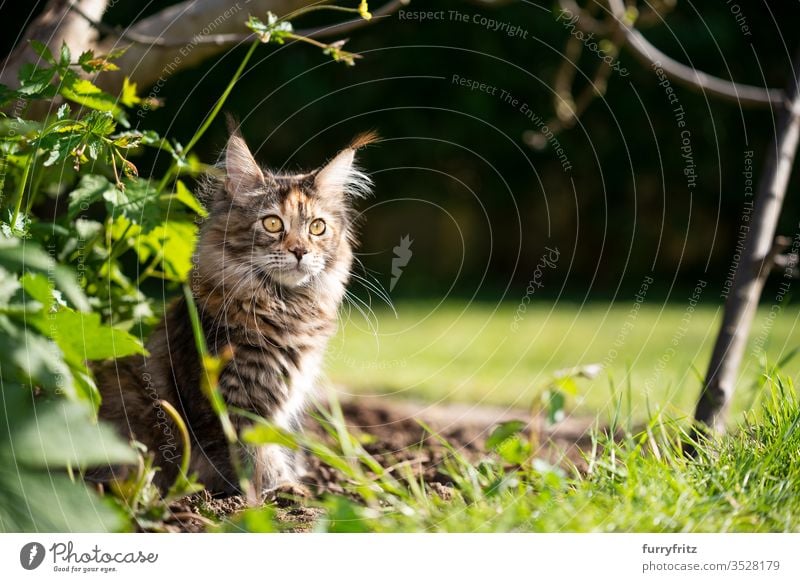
(453, 171)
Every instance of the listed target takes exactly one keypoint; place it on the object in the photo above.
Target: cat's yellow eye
(272, 224)
(317, 227)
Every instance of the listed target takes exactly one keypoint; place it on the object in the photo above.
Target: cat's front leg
(274, 467)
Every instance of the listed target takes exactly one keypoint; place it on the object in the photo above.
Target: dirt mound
(391, 431)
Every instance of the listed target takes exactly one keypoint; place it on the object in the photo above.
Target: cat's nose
(298, 252)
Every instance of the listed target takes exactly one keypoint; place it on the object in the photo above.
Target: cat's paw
(287, 494)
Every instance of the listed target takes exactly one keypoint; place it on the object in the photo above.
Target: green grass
(748, 481)
(469, 352)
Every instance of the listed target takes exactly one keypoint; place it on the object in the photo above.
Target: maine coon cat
(270, 270)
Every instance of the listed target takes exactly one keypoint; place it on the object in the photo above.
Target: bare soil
(390, 431)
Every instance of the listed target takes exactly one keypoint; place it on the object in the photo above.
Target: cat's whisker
(373, 285)
(378, 291)
(355, 301)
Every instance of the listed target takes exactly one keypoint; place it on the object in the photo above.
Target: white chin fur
(290, 277)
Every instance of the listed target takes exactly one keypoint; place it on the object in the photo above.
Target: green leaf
(117, 53)
(138, 202)
(91, 64)
(92, 188)
(129, 97)
(87, 229)
(37, 440)
(503, 432)
(265, 434)
(35, 81)
(84, 59)
(29, 357)
(185, 196)
(65, 56)
(344, 516)
(20, 257)
(8, 286)
(174, 241)
(7, 94)
(43, 51)
(64, 434)
(86, 93)
(256, 520)
(38, 287)
(514, 450)
(84, 337)
(100, 123)
(568, 385)
(274, 30)
(40, 501)
(59, 146)
(555, 401)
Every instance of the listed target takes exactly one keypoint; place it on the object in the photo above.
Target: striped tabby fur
(269, 297)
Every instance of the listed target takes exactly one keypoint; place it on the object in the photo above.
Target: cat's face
(296, 233)
(285, 229)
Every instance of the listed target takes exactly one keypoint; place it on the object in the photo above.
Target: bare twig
(568, 107)
(653, 13)
(234, 38)
(744, 95)
(584, 21)
(188, 515)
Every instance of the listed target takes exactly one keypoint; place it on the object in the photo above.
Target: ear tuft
(341, 176)
(364, 139)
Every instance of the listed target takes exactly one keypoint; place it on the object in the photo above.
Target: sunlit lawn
(459, 351)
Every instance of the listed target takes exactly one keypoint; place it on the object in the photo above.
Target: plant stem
(316, 7)
(35, 183)
(187, 446)
(308, 40)
(221, 101)
(211, 367)
(21, 193)
(113, 251)
(151, 268)
(211, 116)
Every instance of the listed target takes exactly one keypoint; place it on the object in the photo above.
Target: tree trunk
(55, 25)
(752, 271)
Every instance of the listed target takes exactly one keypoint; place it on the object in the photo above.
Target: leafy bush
(80, 232)
(63, 283)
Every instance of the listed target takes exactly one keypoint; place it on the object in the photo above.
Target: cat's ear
(341, 176)
(242, 172)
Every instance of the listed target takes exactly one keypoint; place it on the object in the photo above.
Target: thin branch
(565, 77)
(744, 95)
(586, 22)
(568, 107)
(237, 38)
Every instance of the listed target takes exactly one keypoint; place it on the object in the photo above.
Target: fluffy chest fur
(277, 340)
